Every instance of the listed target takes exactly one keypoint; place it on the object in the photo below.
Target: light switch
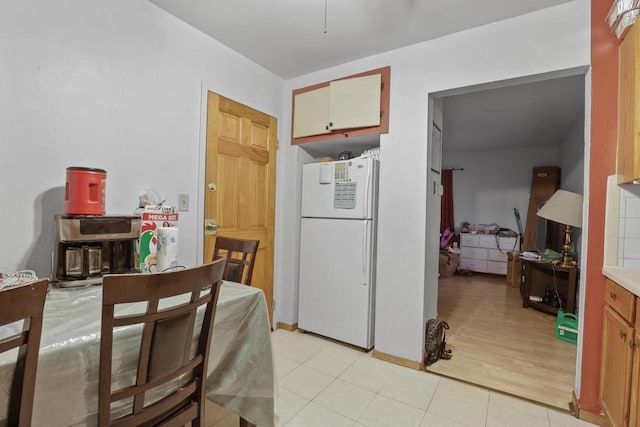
(183, 202)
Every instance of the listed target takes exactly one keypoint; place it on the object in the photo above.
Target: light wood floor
(500, 345)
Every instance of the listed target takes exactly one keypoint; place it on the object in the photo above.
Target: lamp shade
(563, 207)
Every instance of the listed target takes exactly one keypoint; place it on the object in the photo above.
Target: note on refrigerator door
(325, 173)
(344, 195)
(346, 172)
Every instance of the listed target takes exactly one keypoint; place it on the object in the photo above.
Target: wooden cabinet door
(634, 416)
(615, 380)
(628, 109)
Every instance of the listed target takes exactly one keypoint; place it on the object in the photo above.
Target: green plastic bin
(567, 327)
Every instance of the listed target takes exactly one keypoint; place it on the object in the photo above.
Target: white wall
(572, 151)
(109, 84)
(494, 182)
(544, 41)
(116, 85)
(572, 157)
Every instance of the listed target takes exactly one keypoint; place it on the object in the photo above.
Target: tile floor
(325, 384)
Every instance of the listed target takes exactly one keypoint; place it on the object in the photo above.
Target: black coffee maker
(88, 246)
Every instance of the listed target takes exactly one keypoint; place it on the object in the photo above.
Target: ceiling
(535, 114)
(288, 38)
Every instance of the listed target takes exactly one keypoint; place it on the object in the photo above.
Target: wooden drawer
(496, 255)
(467, 239)
(475, 253)
(497, 267)
(621, 300)
(473, 265)
(637, 326)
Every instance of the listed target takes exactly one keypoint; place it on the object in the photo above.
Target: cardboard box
(514, 269)
(152, 217)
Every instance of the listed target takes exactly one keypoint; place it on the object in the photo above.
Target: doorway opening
(492, 137)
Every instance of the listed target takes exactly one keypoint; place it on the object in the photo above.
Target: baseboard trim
(590, 417)
(396, 360)
(287, 327)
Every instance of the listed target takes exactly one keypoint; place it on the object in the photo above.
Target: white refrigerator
(338, 250)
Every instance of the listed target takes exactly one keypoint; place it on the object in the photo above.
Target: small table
(537, 276)
(240, 372)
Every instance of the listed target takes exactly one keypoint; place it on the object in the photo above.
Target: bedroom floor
(500, 345)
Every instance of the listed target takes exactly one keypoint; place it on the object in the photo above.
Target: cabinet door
(634, 416)
(628, 166)
(615, 380)
(311, 113)
(354, 103)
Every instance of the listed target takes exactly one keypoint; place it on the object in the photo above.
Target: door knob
(212, 187)
(211, 226)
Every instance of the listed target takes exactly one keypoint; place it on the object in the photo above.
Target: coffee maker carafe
(89, 246)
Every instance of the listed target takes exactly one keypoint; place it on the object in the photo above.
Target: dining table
(240, 373)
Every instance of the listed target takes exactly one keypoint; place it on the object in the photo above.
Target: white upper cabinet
(355, 105)
(311, 113)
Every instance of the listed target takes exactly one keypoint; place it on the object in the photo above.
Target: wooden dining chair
(240, 255)
(23, 303)
(168, 360)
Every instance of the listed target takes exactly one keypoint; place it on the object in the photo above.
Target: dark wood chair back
(168, 360)
(23, 303)
(240, 255)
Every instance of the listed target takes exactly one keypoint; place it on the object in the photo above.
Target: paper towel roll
(167, 248)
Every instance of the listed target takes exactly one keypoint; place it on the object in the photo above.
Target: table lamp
(565, 208)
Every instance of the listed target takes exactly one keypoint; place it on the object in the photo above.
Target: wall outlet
(183, 202)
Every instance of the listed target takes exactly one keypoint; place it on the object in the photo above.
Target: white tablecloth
(240, 379)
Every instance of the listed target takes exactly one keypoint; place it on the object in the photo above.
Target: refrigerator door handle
(365, 255)
(367, 211)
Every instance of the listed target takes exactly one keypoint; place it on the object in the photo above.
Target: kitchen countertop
(625, 277)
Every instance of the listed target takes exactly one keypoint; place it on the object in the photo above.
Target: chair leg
(245, 423)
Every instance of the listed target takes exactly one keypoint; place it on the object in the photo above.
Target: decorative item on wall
(436, 148)
(622, 15)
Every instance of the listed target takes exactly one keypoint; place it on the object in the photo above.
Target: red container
(84, 192)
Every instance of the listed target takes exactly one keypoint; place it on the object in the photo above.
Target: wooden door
(615, 380)
(240, 182)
